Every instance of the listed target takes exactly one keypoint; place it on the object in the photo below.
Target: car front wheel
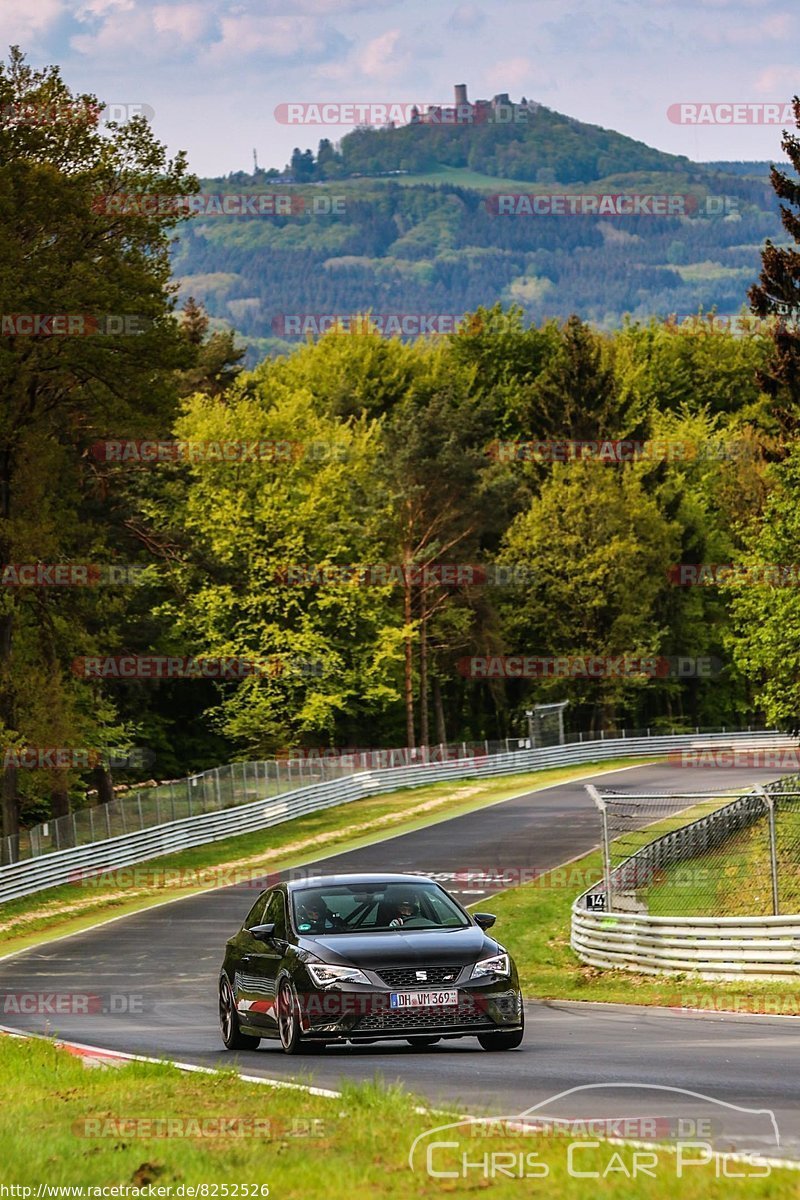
(232, 1035)
(501, 1041)
(288, 1019)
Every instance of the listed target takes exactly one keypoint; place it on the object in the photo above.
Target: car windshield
(351, 908)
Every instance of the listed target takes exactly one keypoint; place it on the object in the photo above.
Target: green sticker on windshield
(303, 928)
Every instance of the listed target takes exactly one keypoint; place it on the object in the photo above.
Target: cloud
(778, 80)
(514, 72)
(467, 18)
(383, 56)
(282, 38)
(22, 21)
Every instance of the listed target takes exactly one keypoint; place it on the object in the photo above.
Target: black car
(360, 958)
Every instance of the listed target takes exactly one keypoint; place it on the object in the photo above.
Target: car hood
(399, 948)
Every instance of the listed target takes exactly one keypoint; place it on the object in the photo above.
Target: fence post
(773, 849)
(139, 803)
(601, 804)
(107, 807)
(218, 788)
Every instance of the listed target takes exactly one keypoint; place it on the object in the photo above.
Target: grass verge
(72, 907)
(147, 1125)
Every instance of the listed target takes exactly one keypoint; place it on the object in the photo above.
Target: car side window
(256, 914)
(275, 913)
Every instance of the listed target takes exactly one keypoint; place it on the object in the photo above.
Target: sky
(213, 72)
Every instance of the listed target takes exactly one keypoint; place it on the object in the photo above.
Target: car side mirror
(484, 920)
(264, 933)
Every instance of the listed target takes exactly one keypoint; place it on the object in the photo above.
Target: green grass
(71, 907)
(735, 879)
(61, 1124)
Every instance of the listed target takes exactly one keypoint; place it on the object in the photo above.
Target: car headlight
(500, 964)
(323, 975)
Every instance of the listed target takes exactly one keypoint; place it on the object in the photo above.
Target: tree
(767, 615)
(778, 291)
(597, 549)
(218, 358)
(67, 247)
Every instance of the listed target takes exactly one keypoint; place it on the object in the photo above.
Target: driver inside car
(405, 910)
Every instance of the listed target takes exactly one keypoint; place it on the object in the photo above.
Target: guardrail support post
(773, 846)
(601, 804)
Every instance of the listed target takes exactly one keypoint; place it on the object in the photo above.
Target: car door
(259, 964)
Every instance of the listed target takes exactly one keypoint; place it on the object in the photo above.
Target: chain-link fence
(224, 787)
(241, 782)
(701, 854)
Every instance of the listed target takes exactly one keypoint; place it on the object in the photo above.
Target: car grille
(436, 1017)
(406, 977)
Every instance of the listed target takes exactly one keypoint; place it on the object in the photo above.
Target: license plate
(423, 999)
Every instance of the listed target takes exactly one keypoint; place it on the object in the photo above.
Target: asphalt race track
(163, 963)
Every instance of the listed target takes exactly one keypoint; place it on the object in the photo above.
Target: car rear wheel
(422, 1043)
(232, 1035)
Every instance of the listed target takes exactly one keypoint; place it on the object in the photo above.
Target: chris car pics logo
(602, 1132)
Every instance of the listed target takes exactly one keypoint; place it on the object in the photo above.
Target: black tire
(501, 1041)
(232, 1035)
(422, 1043)
(288, 1013)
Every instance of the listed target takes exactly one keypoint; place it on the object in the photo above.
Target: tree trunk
(424, 716)
(8, 783)
(59, 806)
(101, 777)
(10, 805)
(438, 708)
(409, 665)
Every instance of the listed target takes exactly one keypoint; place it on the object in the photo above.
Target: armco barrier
(739, 947)
(712, 947)
(63, 866)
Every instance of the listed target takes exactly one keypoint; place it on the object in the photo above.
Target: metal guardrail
(714, 947)
(240, 783)
(65, 866)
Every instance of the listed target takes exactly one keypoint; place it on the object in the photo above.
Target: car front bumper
(360, 1013)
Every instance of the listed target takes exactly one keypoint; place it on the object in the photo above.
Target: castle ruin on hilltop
(499, 109)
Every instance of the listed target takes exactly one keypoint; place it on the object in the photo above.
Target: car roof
(371, 879)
